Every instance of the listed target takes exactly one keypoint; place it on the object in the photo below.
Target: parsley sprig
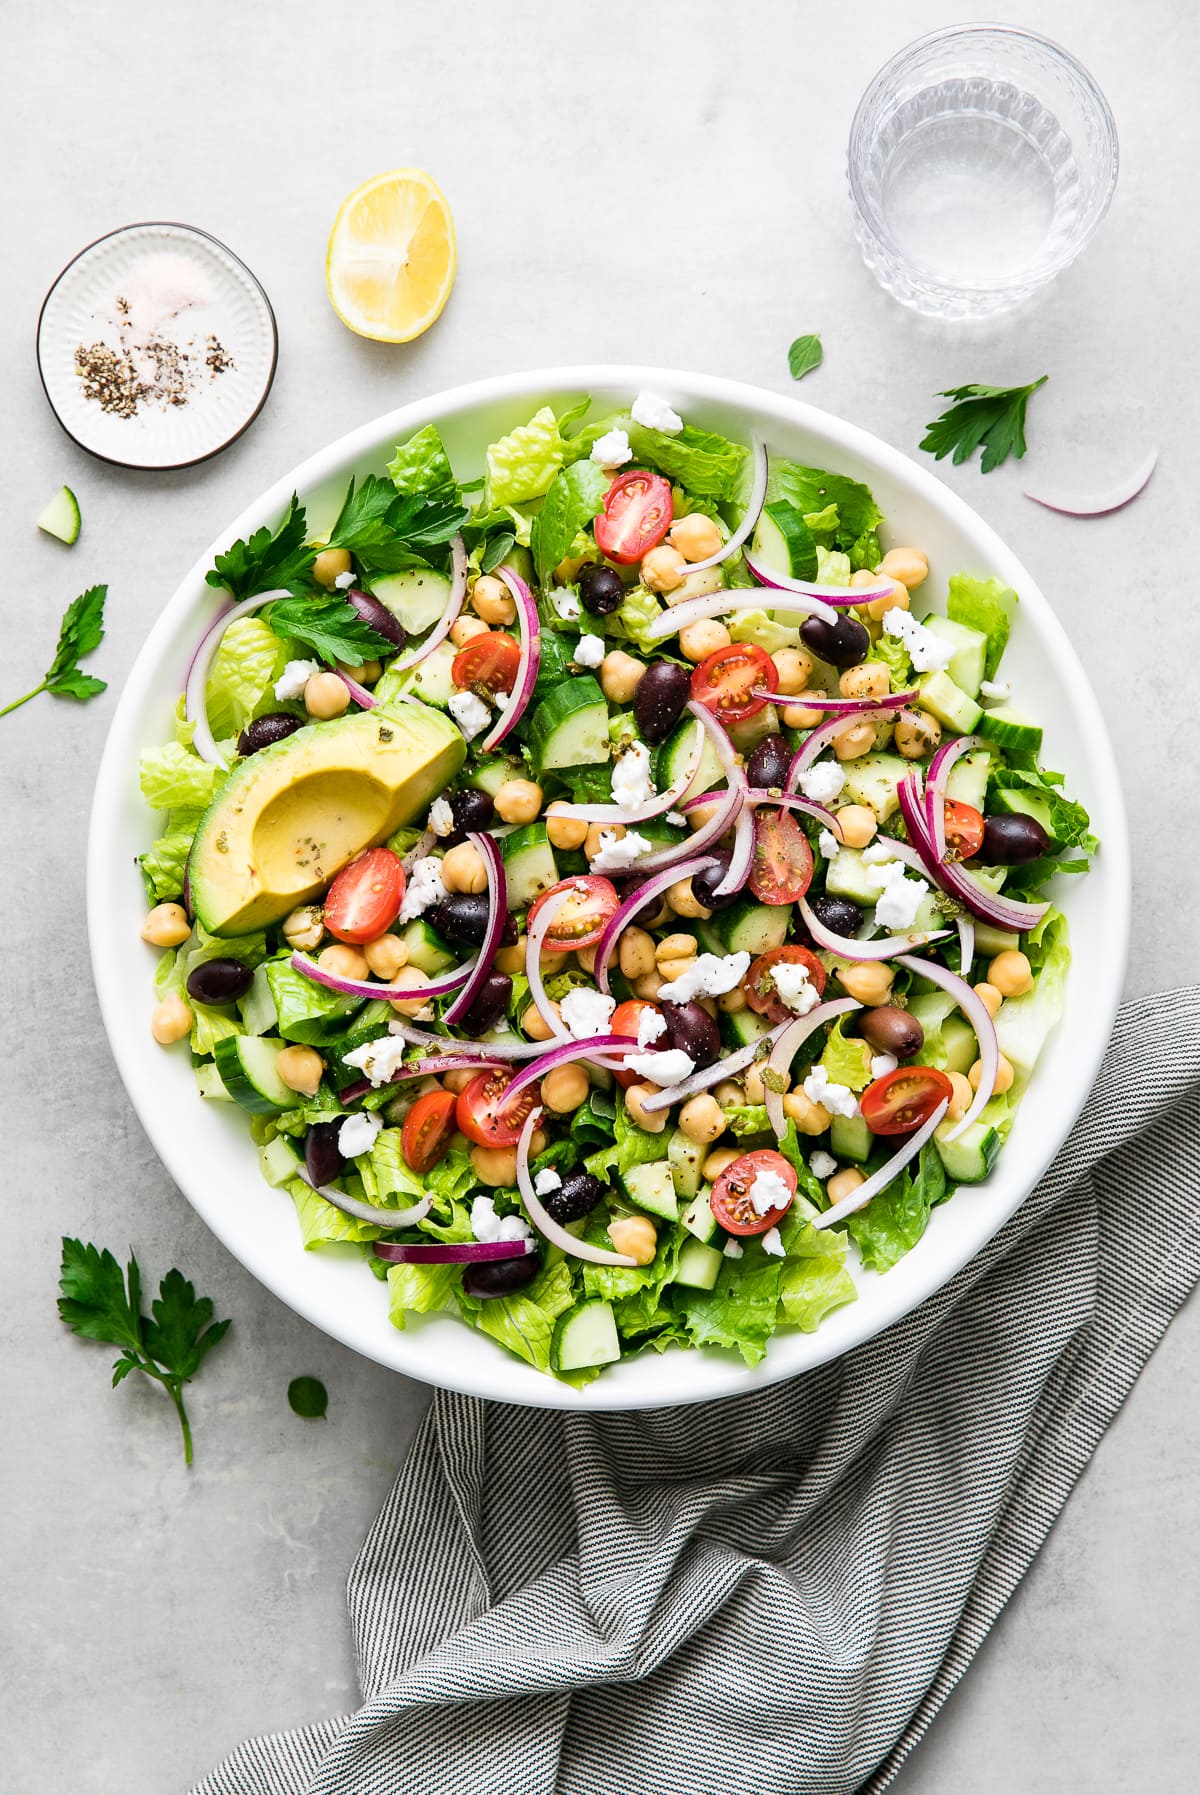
(99, 1302)
(270, 558)
(989, 416)
(330, 626)
(386, 530)
(81, 630)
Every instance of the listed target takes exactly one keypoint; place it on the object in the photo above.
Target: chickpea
(868, 980)
(652, 1120)
(635, 955)
(300, 1069)
(565, 1088)
(908, 565)
(809, 1117)
(701, 814)
(697, 585)
(518, 801)
(868, 680)
(794, 667)
(695, 536)
(364, 673)
(917, 734)
(662, 568)
(492, 600)
(534, 1024)
(718, 1161)
(863, 578)
(463, 868)
(684, 901)
(960, 1102)
(458, 1081)
(844, 1183)
(170, 1020)
(329, 564)
(495, 1166)
(853, 740)
(857, 824)
(1010, 973)
(896, 600)
(564, 831)
(699, 640)
(465, 628)
(702, 1119)
(410, 978)
(674, 954)
(304, 929)
(635, 1236)
(601, 835)
(1004, 1076)
(344, 961)
(385, 956)
(730, 1002)
(512, 959)
(729, 1093)
(989, 997)
(709, 1006)
(620, 675)
(648, 986)
(752, 1080)
(586, 957)
(166, 926)
(807, 713)
(326, 696)
(539, 1140)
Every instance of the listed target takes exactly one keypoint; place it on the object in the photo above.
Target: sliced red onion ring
(360, 694)
(196, 689)
(1001, 912)
(849, 947)
(966, 943)
(540, 1216)
(1097, 504)
(842, 598)
(529, 630)
(977, 1014)
(607, 1049)
(502, 1050)
(645, 894)
(754, 505)
(858, 1199)
(454, 604)
(489, 851)
(370, 1212)
(439, 987)
(841, 707)
(789, 1043)
(935, 786)
(729, 802)
(639, 813)
(538, 930)
(743, 854)
(446, 1062)
(451, 1252)
(792, 801)
(820, 739)
(731, 598)
(711, 1075)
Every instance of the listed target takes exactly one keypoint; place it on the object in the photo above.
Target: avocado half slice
(292, 815)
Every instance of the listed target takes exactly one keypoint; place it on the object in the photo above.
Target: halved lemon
(391, 259)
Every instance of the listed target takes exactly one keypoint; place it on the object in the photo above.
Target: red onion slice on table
(1098, 504)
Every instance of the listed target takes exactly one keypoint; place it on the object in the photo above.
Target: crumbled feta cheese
(997, 689)
(344, 580)
(663, 1069)
(612, 449)
(771, 1243)
(823, 783)
(631, 782)
(770, 1190)
(357, 1133)
(487, 1225)
(589, 651)
(882, 1064)
(618, 853)
(587, 1013)
(566, 603)
(899, 902)
(879, 852)
(651, 1024)
(469, 712)
(838, 1099)
(676, 819)
(424, 888)
(546, 1181)
(441, 817)
(294, 678)
(378, 1059)
(926, 650)
(708, 975)
(733, 1249)
(656, 413)
(822, 1164)
(790, 978)
(828, 843)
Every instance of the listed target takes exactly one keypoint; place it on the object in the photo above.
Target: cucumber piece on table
(585, 1336)
(569, 728)
(61, 516)
(247, 1067)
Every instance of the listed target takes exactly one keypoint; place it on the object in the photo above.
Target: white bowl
(206, 1147)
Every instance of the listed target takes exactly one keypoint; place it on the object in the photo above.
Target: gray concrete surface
(656, 184)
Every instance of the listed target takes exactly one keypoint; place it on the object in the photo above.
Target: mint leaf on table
(269, 559)
(332, 627)
(804, 355)
(100, 1302)
(308, 1398)
(81, 630)
(991, 417)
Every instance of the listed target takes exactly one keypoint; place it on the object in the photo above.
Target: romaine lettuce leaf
(165, 861)
(707, 465)
(422, 465)
(846, 1058)
(245, 668)
(417, 1289)
(810, 1190)
(573, 500)
(322, 1225)
(638, 610)
(525, 1323)
(1024, 1023)
(810, 489)
(522, 465)
(764, 631)
(985, 605)
(891, 652)
(833, 567)
(390, 1177)
(822, 525)
(747, 1119)
(895, 1220)
(740, 1311)
(814, 1279)
(632, 1146)
(305, 1010)
(173, 778)
(634, 1290)
(1070, 824)
(210, 1026)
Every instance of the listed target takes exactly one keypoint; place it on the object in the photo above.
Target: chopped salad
(613, 887)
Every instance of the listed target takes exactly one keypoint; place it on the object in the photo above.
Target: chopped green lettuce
(246, 666)
(165, 861)
(306, 1010)
(1070, 824)
(418, 1289)
(522, 465)
(707, 465)
(321, 1225)
(846, 1058)
(422, 465)
(632, 1146)
(812, 490)
(634, 1290)
(833, 567)
(895, 1220)
(525, 1322)
(891, 652)
(815, 1278)
(822, 525)
(638, 610)
(210, 1026)
(745, 1119)
(573, 500)
(985, 605)
(809, 1188)
(1023, 1024)
(763, 630)
(741, 1309)
(390, 1177)
(173, 778)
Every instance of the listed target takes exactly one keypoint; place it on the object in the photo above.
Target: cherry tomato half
(483, 1115)
(488, 662)
(901, 1100)
(625, 1020)
(636, 516)
(428, 1130)
(964, 828)
(585, 915)
(761, 994)
(782, 868)
(727, 681)
(731, 1201)
(366, 896)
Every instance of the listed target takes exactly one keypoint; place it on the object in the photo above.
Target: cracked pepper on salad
(614, 887)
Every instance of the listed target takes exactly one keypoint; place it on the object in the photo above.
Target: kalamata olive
(705, 882)
(576, 1196)
(600, 589)
(500, 1277)
(462, 917)
(219, 981)
(376, 615)
(322, 1160)
(489, 1005)
(275, 727)
(470, 810)
(1012, 840)
(889, 1029)
(658, 702)
(837, 913)
(769, 763)
(693, 1031)
(842, 644)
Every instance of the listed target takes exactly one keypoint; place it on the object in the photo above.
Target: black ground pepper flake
(154, 371)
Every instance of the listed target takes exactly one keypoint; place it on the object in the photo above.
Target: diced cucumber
(699, 1219)
(699, 1265)
(752, 928)
(529, 864)
(433, 681)
(746, 735)
(990, 941)
(948, 702)
(850, 1138)
(970, 1158)
(493, 772)
(208, 1082)
(783, 542)
(279, 1162)
(685, 1157)
(247, 1067)
(1027, 804)
(61, 516)
(427, 951)
(258, 1006)
(585, 1336)
(874, 781)
(961, 1044)
(1010, 731)
(970, 652)
(707, 937)
(967, 782)
(652, 1188)
(417, 597)
(673, 758)
(569, 728)
(848, 875)
(744, 1026)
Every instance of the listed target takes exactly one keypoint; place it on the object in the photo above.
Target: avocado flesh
(292, 815)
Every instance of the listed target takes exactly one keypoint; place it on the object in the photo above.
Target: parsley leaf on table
(282, 558)
(99, 1302)
(81, 630)
(804, 355)
(991, 416)
(332, 627)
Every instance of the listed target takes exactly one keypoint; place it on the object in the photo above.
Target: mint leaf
(804, 355)
(991, 417)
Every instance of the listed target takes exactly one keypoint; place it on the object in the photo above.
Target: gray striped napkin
(793, 1580)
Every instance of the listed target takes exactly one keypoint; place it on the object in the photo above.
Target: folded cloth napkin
(775, 1592)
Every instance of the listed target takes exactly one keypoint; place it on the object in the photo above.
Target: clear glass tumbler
(981, 160)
